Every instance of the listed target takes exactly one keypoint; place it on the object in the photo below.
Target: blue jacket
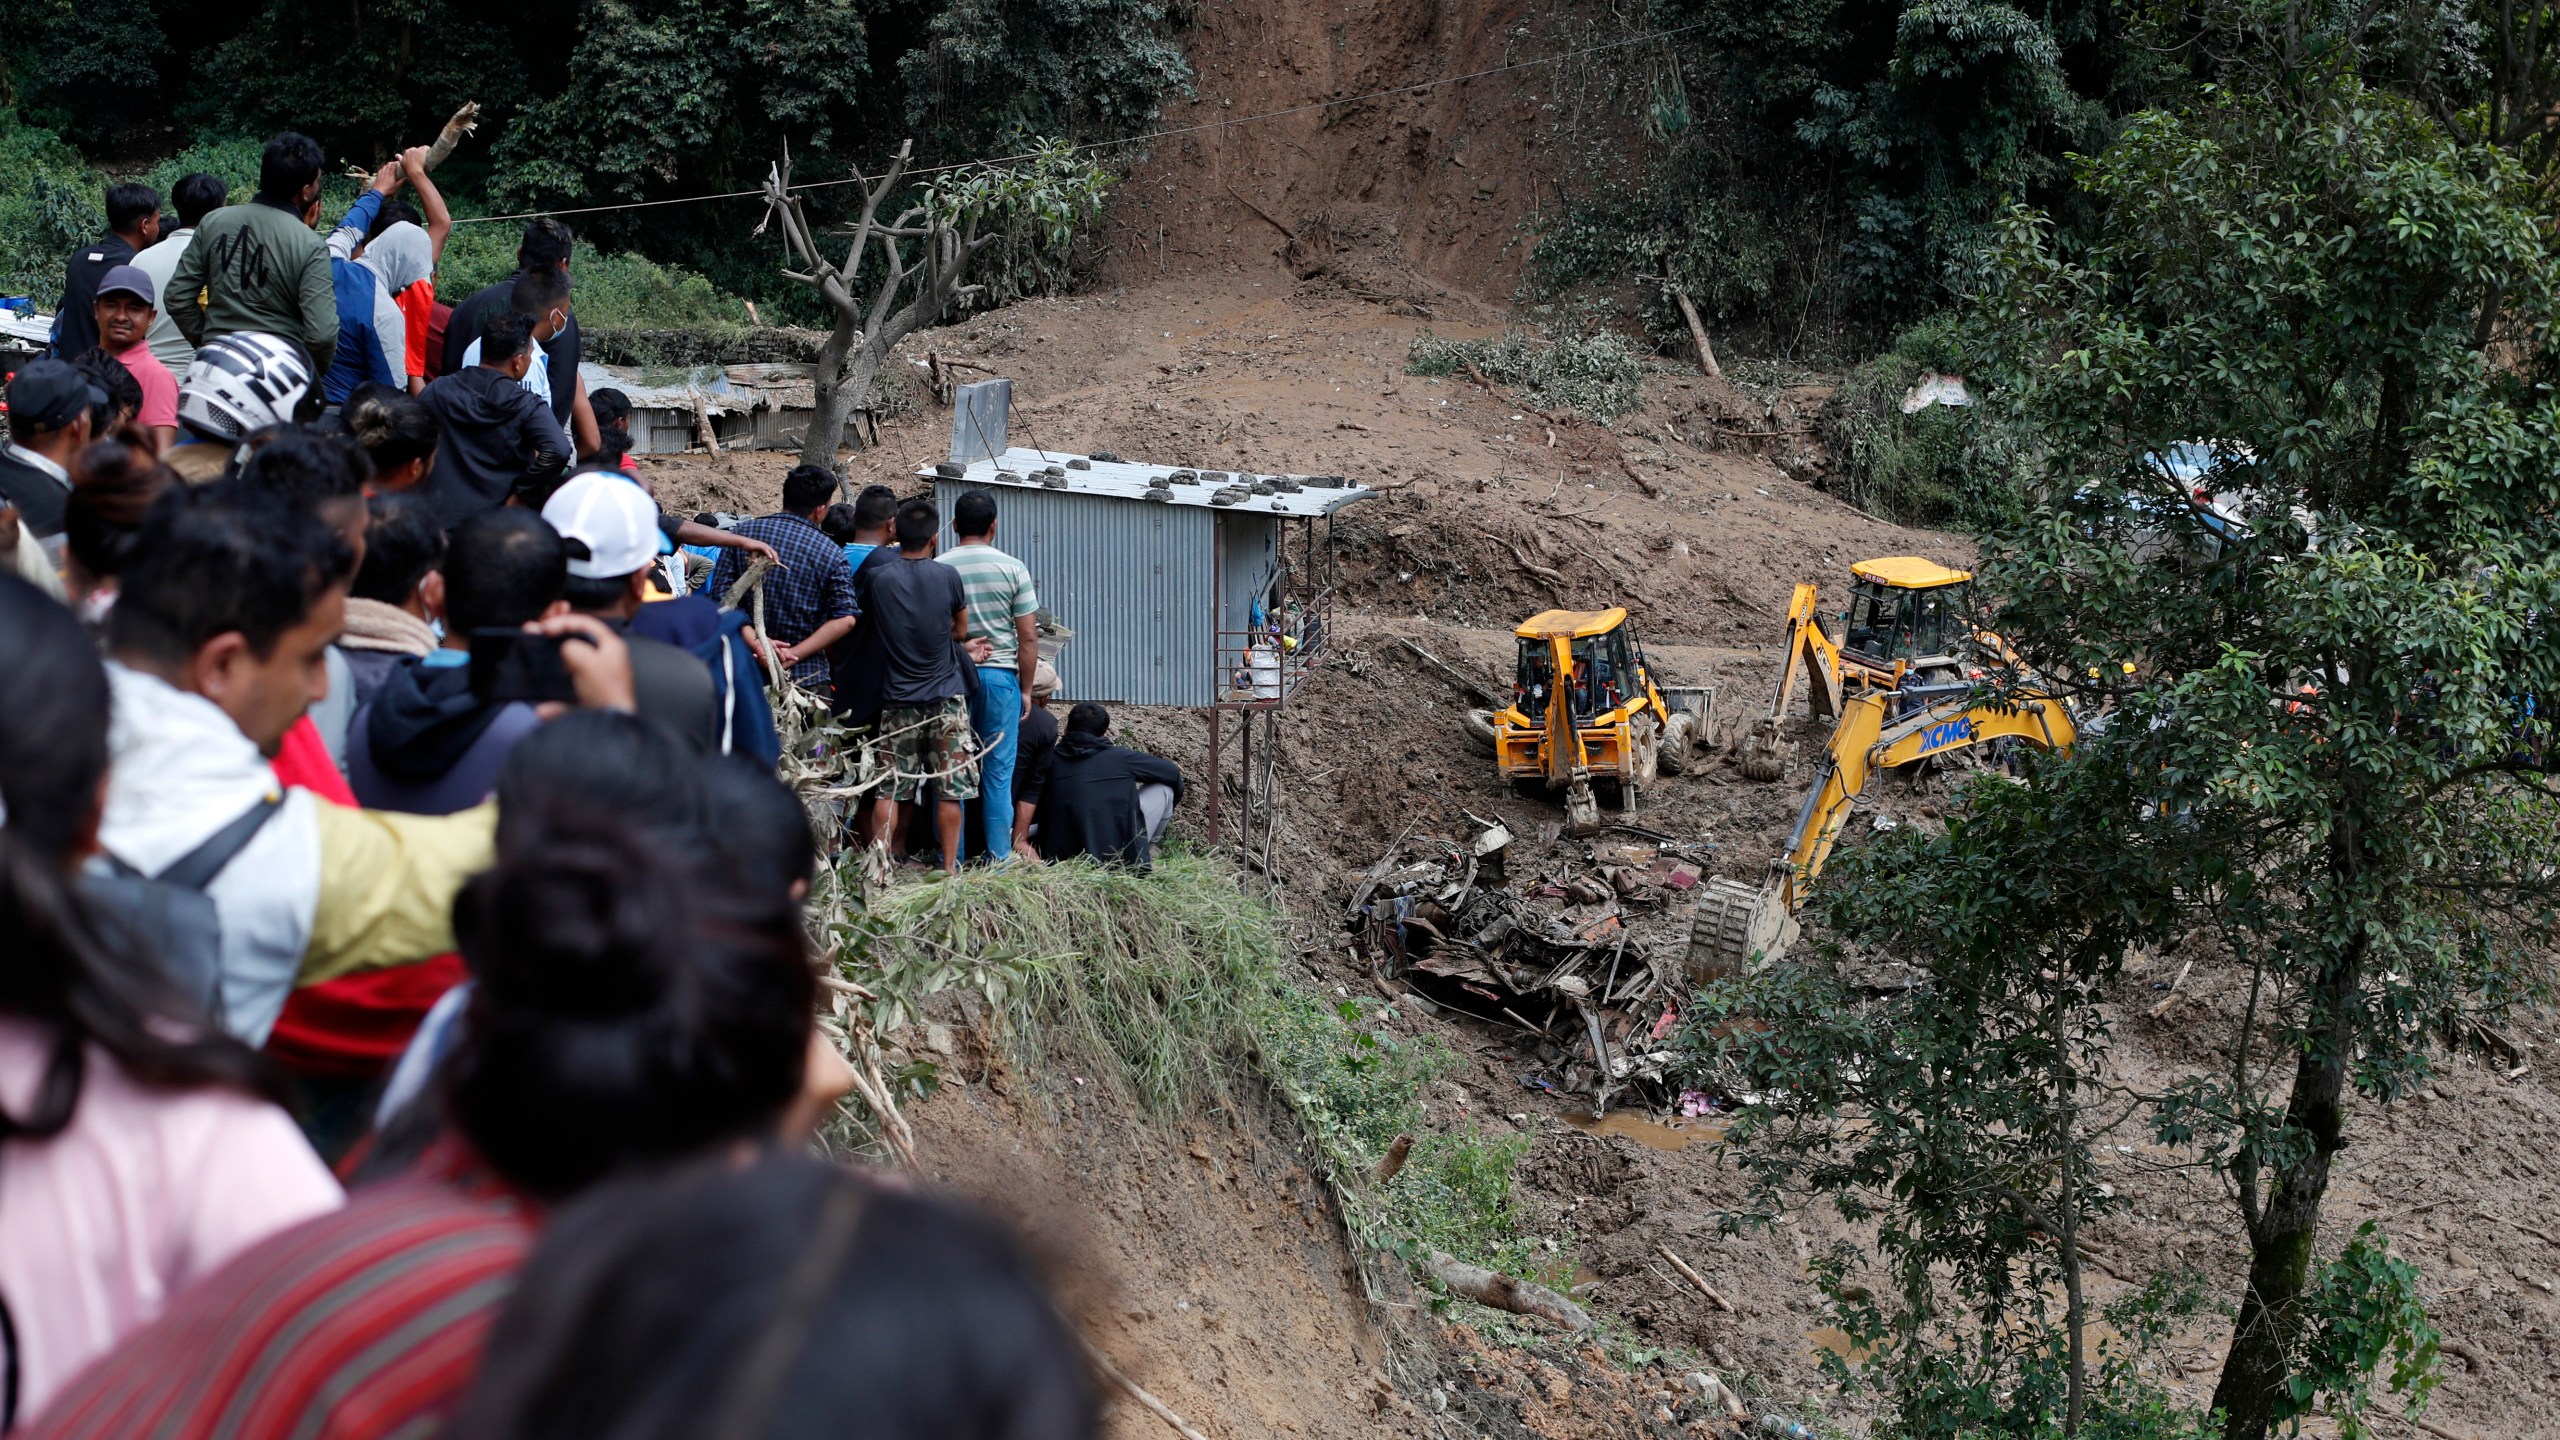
(372, 336)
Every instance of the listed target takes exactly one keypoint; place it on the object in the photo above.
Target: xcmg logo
(1946, 733)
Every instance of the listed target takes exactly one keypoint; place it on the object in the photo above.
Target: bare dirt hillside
(1703, 544)
(1403, 197)
(1258, 291)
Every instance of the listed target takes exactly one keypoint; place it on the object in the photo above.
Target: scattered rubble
(1583, 954)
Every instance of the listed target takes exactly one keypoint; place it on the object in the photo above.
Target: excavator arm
(1811, 653)
(1568, 763)
(1737, 923)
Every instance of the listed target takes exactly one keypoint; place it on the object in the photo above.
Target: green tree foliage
(993, 69)
(1943, 465)
(606, 101)
(677, 92)
(1958, 1118)
(1824, 155)
(1035, 206)
(80, 68)
(2330, 764)
(51, 203)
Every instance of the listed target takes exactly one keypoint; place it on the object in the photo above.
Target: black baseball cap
(50, 394)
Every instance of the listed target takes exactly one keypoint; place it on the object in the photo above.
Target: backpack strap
(196, 869)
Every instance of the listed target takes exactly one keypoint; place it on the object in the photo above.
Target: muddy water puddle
(1643, 1129)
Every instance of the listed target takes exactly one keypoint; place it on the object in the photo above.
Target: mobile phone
(512, 665)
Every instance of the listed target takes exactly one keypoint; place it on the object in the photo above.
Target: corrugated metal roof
(26, 328)
(1136, 583)
(1303, 496)
(669, 387)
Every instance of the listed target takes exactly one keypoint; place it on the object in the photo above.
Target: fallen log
(2156, 1011)
(1134, 1391)
(1453, 675)
(1707, 365)
(1393, 1162)
(1541, 571)
(1505, 1292)
(1694, 1278)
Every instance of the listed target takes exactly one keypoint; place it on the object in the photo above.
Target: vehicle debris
(1550, 954)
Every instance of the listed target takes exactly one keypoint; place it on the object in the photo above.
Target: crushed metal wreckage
(1585, 959)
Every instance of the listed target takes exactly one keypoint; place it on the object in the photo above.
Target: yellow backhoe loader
(1904, 628)
(1743, 927)
(1584, 705)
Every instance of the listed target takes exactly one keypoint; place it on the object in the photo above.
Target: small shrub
(1356, 1086)
(618, 291)
(1168, 985)
(232, 159)
(53, 202)
(1940, 465)
(1598, 374)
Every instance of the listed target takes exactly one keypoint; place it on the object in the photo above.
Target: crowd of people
(406, 1008)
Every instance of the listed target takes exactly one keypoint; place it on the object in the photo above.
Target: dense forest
(582, 105)
(1822, 165)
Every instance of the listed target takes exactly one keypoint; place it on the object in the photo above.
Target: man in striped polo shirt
(1001, 604)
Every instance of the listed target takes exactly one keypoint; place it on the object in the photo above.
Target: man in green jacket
(261, 267)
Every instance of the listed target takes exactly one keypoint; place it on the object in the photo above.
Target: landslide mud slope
(1288, 375)
(1258, 291)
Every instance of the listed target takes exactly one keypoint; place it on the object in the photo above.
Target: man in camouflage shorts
(919, 612)
(930, 745)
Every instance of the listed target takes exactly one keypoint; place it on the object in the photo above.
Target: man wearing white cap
(611, 529)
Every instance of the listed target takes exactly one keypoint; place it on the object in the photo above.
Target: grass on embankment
(1176, 986)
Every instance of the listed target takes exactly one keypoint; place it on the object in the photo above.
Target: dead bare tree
(923, 259)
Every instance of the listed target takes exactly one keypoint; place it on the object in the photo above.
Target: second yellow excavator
(1742, 927)
(1904, 629)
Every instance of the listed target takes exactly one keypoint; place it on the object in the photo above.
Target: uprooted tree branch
(1026, 210)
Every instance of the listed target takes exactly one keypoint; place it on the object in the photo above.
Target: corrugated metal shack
(1183, 586)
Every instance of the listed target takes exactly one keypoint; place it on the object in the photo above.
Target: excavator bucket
(1764, 755)
(1581, 807)
(1739, 928)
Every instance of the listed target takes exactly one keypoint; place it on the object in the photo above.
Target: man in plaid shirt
(808, 601)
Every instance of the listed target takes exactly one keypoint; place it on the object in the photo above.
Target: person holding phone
(432, 739)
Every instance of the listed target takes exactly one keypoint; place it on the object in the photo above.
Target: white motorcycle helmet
(240, 384)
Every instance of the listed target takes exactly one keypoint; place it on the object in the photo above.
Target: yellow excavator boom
(1809, 652)
(1863, 745)
(1738, 923)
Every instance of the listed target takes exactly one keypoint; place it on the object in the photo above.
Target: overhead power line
(1150, 137)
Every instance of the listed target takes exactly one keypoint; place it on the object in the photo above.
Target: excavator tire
(1646, 752)
(1480, 730)
(1676, 738)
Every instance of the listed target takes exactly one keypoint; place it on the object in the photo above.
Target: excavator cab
(1905, 614)
(1600, 672)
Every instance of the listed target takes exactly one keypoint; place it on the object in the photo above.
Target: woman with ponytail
(138, 1148)
(398, 434)
(630, 1011)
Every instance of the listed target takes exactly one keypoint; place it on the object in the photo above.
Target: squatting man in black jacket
(1101, 799)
